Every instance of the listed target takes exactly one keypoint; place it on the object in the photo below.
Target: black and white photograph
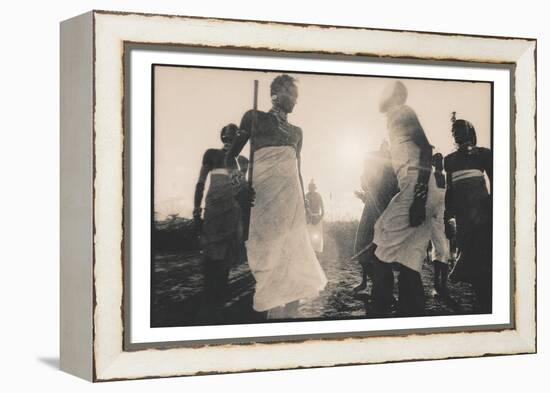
(286, 196)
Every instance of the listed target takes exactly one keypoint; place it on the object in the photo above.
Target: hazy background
(338, 115)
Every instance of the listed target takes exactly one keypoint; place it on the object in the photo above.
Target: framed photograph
(246, 195)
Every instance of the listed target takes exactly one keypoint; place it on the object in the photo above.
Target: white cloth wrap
(219, 171)
(280, 254)
(466, 174)
(441, 248)
(396, 240)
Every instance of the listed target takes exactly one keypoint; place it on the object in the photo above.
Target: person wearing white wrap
(402, 232)
(279, 250)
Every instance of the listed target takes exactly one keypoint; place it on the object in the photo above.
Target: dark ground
(177, 286)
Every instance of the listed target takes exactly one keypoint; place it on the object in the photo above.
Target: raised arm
(243, 135)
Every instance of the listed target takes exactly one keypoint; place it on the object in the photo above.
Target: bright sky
(338, 115)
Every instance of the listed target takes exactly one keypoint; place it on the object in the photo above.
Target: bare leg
(382, 288)
(214, 289)
(363, 285)
(275, 313)
(441, 271)
(437, 277)
(443, 281)
(411, 293)
(291, 309)
(287, 311)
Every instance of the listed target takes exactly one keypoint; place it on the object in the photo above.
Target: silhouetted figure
(221, 229)
(468, 201)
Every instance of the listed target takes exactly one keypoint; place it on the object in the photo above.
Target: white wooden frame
(92, 202)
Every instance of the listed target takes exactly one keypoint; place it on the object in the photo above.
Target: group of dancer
(410, 206)
(265, 220)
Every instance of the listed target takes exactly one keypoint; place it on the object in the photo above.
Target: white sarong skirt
(279, 249)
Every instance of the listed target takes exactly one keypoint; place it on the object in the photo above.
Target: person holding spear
(280, 254)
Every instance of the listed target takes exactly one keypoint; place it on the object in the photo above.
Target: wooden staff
(253, 127)
(361, 252)
(251, 160)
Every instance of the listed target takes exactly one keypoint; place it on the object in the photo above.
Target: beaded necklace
(282, 121)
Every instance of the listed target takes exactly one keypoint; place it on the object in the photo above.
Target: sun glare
(352, 152)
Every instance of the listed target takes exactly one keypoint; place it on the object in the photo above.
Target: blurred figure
(402, 232)
(315, 213)
(221, 229)
(378, 186)
(469, 202)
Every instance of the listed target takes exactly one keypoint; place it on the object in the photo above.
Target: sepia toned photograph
(245, 196)
(291, 196)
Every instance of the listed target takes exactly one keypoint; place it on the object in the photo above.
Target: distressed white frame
(92, 323)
